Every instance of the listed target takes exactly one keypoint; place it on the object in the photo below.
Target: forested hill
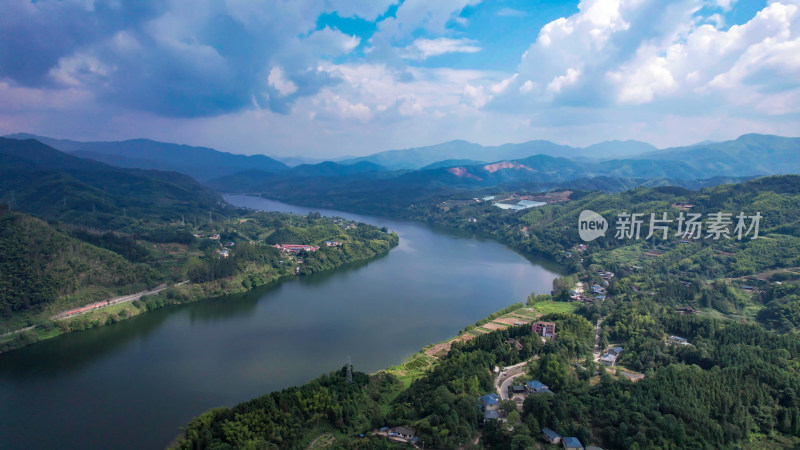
(40, 180)
(48, 268)
(201, 163)
(45, 270)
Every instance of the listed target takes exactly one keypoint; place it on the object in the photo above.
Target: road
(17, 331)
(597, 351)
(112, 301)
(507, 376)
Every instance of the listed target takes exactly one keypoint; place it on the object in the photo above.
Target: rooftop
(536, 384)
(550, 433)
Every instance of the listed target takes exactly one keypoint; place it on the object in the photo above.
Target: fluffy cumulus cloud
(656, 55)
(210, 72)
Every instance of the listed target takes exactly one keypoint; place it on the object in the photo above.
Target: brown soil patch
(494, 326)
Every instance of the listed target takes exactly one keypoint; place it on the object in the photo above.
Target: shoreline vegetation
(655, 331)
(209, 262)
(332, 424)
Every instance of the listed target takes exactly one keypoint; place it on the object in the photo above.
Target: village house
(677, 340)
(544, 329)
(333, 243)
(550, 436)
(610, 358)
(489, 402)
(491, 415)
(519, 389)
(515, 343)
(402, 433)
(537, 387)
(571, 443)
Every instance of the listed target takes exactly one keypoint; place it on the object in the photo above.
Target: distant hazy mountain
(202, 163)
(437, 155)
(41, 180)
(416, 158)
(694, 167)
(616, 149)
(293, 161)
(453, 163)
(254, 180)
(750, 154)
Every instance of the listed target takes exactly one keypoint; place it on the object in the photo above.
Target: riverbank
(339, 413)
(509, 230)
(114, 310)
(423, 361)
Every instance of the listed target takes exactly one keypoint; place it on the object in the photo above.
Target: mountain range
(420, 157)
(51, 184)
(201, 163)
(460, 165)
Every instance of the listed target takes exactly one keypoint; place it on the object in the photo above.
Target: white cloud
(331, 42)
(278, 80)
(562, 81)
(425, 48)
(526, 87)
(415, 15)
(725, 4)
(501, 87)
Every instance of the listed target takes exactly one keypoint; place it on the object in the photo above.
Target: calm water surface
(135, 383)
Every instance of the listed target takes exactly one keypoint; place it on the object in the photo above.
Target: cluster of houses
(333, 244)
(610, 357)
(598, 294)
(296, 248)
(490, 403)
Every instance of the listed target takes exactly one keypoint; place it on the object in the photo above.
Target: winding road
(507, 376)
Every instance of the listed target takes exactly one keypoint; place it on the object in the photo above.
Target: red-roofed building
(544, 329)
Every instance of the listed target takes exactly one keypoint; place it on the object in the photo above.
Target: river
(135, 383)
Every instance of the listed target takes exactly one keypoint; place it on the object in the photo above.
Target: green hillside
(40, 180)
(44, 271)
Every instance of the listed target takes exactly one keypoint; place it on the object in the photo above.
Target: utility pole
(349, 371)
(210, 219)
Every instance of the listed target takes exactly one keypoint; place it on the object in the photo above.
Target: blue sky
(342, 77)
